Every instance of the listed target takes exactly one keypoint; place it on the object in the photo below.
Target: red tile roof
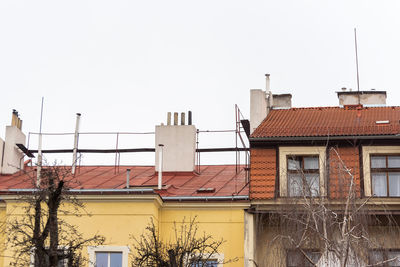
(223, 178)
(329, 121)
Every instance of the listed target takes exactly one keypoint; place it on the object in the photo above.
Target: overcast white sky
(125, 64)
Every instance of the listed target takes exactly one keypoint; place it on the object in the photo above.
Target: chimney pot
(189, 118)
(175, 118)
(169, 118)
(183, 118)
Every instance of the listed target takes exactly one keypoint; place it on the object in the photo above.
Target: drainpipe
(160, 163)
(128, 173)
(76, 137)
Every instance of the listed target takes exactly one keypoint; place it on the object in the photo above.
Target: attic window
(206, 190)
(382, 122)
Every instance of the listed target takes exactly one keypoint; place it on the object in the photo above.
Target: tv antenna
(358, 78)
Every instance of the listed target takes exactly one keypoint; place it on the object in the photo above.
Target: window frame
(304, 258)
(93, 249)
(64, 248)
(386, 171)
(284, 151)
(366, 163)
(384, 251)
(302, 171)
(219, 257)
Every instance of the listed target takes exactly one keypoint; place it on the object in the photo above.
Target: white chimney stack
(179, 146)
(12, 158)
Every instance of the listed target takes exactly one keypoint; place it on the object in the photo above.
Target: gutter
(122, 190)
(206, 198)
(322, 138)
(137, 190)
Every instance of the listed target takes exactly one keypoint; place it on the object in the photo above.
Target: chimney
(11, 157)
(179, 146)
(365, 98)
(261, 102)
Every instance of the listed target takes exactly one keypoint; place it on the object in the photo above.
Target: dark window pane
(314, 256)
(378, 162)
(379, 186)
(395, 255)
(116, 259)
(311, 163)
(101, 259)
(294, 258)
(376, 256)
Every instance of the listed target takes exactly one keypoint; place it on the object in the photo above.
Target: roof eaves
(311, 138)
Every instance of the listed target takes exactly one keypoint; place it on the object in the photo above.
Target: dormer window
(385, 175)
(301, 171)
(303, 175)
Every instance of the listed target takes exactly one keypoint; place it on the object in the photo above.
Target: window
(108, 256)
(108, 259)
(384, 257)
(296, 258)
(303, 175)
(301, 167)
(208, 263)
(385, 175)
(209, 260)
(62, 251)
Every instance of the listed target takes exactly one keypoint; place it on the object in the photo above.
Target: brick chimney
(12, 158)
(178, 145)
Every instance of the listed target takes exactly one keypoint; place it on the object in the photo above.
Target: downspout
(160, 164)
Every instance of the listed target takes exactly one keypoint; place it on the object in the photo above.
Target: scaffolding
(240, 144)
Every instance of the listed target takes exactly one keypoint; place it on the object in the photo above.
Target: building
(303, 162)
(121, 201)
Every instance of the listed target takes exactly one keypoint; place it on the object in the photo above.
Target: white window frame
(366, 153)
(284, 152)
(32, 261)
(216, 256)
(93, 249)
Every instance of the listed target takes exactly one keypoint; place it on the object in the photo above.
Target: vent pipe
(76, 137)
(267, 83)
(128, 173)
(160, 163)
(189, 118)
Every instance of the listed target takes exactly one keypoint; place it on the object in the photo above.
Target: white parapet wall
(179, 147)
(1, 154)
(258, 108)
(13, 157)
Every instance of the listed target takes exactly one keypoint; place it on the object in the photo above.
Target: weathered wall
(263, 173)
(339, 178)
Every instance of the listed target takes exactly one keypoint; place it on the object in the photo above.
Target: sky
(124, 64)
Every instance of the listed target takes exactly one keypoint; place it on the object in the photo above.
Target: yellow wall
(2, 232)
(221, 223)
(117, 219)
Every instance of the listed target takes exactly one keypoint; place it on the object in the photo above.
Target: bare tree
(338, 231)
(42, 232)
(187, 249)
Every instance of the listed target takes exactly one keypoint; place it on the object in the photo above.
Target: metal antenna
(358, 79)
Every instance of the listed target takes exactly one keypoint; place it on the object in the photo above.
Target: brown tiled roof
(222, 178)
(329, 121)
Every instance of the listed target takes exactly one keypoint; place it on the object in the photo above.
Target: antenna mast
(358, 79)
